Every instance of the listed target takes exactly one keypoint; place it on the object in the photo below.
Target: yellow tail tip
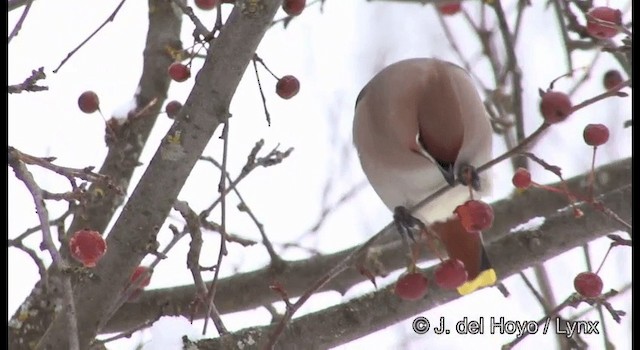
(484, 279)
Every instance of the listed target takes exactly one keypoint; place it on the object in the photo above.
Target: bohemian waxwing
(416, 123)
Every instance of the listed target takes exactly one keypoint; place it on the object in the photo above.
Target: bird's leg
(406, 224)
(468, 176)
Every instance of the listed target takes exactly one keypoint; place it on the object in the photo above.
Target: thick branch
(511, 254)
(151, 201)
(298, 275)
(121, 161)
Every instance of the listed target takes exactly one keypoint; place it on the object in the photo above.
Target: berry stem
(430, 240)
(603, 259)
(257, 58)
(106, 124)
(264, 100)
(592, 175)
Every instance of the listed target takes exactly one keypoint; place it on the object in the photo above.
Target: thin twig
(18, 25)
(264, 100)
(54, 222)
(257, 58)
(201, 30)
(573, 300)
(30, 84)
(275, 258)
(513, 67)
(587, 74)
(557, 6)
(193, 261)
(452, 42)
(109, 19)
(132, 287)
(42, 270)
(272, 158)
(328, 209)
(26, 177)
(223, 222)
(86, 174)
(129, 333)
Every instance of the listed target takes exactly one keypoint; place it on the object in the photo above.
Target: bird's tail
(468, 248)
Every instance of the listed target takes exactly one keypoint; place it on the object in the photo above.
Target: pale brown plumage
(416, 122)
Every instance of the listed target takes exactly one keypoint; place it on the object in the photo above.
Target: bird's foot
(406, 223)
(468, 176)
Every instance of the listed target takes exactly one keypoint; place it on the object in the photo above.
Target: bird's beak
(447, 172)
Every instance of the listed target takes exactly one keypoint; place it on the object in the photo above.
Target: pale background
(333, 54)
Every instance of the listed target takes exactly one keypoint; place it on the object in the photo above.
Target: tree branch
(120, 162)
(374, 311)
(151, 201)
(298, 275)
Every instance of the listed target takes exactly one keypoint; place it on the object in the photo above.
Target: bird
(418, 123)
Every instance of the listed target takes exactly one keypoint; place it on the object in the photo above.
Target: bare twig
(26, 177)
(573, 300)
(272, 158)
(452, 42)
(86, 174)
(193, 261)
(557, 7)
(223, 239)
(132, 287)
(30, 84)
(201, 30)
(23, 16)
(128, 333)
(109, 19)
(264, 100)
(275, 259)
(328, 209)
(513, 67)
(42, 270)
(53, 222)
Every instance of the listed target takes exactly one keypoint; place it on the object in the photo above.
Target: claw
(407, 223)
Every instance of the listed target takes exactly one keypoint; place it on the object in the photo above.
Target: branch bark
(297, 275)
(145, 212)
(374, 311)
(119, 164)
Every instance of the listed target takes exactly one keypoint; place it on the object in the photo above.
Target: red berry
(450, 274)
(450, 8)
(555, 106)
(588, 284)
(475, 215)
(206, 4)
(88, 102)
(137, 273)
(412, 286)
(607, 14)
(293, 7)
(596, 134)
(173, 108)
(287, 87)
(521, 178)
(179, 72)
(87, 247)
(611, 79)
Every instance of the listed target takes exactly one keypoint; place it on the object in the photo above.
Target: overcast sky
(333, 53)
